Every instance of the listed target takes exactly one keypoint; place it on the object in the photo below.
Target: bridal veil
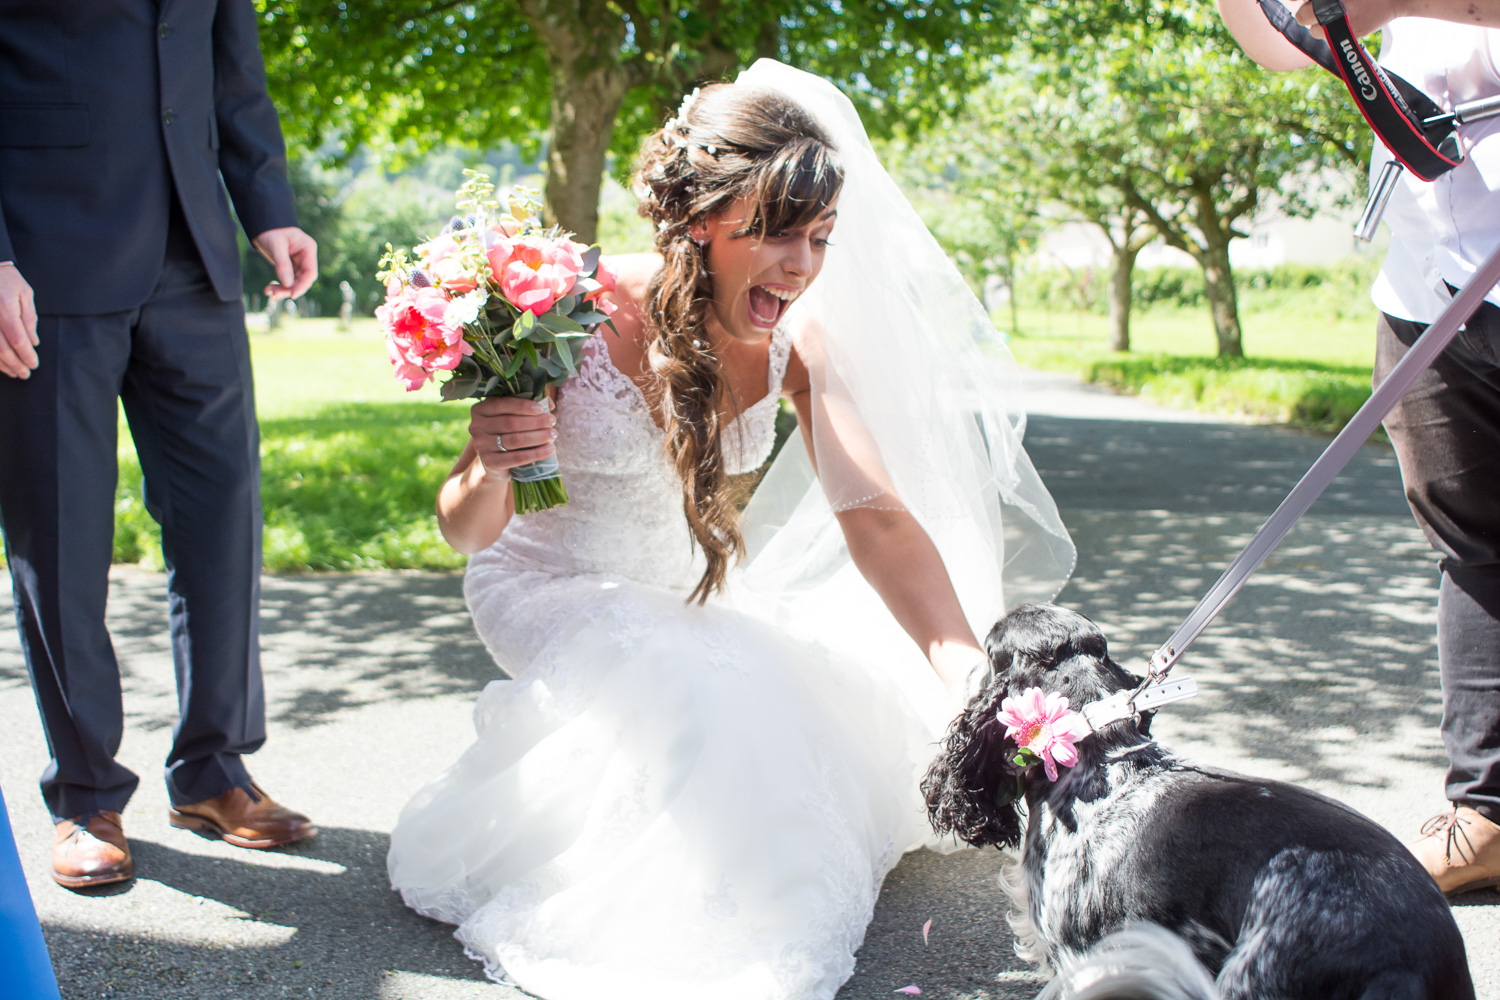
(925, 417)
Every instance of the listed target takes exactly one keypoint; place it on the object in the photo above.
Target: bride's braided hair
(727, 142)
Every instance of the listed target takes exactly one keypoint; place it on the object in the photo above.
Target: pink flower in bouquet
(437, 249)
(534, 271)
(419, 337)
(415, 376)
(449, 265)
(1045, 726)
(419, 313)
(451, 273)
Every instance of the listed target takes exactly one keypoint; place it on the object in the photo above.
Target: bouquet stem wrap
(537, 486)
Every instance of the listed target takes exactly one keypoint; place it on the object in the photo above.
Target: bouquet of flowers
(500, 302)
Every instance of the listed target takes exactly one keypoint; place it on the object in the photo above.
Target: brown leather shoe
(90, 850)
(1460, 850)
(244, 819)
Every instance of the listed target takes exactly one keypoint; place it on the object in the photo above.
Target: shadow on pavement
(1322, 670)
(338, 929)
(1326, 653)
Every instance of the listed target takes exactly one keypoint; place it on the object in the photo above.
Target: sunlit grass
(350, 462)
(1303, 366)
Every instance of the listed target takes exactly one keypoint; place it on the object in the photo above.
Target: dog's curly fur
(1278, 891)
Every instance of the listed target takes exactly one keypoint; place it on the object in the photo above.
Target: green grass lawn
(1304, 364)
(351, 461)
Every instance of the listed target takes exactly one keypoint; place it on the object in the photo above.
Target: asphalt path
(1322, 671)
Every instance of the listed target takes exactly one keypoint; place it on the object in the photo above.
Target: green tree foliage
(1148, 123)
(594, 76)
(986, 227)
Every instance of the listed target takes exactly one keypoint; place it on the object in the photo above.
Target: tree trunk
(1218, 281)
(584, 107)
(1123, 264)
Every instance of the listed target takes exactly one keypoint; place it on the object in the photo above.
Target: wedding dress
(673, 801)
(667, 800)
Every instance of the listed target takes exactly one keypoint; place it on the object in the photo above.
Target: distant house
(1274, 239)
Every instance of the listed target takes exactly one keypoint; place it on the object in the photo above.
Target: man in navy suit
(120, 279)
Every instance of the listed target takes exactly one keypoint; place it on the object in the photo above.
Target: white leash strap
(1334, 458)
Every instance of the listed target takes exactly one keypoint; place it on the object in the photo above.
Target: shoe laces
(1451, 827)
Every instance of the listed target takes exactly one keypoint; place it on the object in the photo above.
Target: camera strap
(1410, 123)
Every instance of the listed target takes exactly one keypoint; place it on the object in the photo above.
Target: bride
(702, 770)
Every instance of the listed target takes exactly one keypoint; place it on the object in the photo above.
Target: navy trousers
(1446, 432)
(180, 363)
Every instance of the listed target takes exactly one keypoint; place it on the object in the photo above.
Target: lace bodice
(624, 514)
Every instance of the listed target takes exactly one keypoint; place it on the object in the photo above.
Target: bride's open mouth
(767, 304)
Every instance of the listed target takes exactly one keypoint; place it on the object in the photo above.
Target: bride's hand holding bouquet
(503, 304)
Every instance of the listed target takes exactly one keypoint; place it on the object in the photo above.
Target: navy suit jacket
(106, 107)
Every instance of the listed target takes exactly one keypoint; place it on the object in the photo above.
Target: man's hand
(18, 338)
(294, 255)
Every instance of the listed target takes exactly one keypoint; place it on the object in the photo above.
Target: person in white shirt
(1446, 430)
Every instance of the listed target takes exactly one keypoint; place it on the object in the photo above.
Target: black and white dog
(1279, 892)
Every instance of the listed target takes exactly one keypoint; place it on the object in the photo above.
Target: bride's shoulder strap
(781, 352)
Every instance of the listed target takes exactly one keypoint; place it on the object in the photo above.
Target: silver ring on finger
(500, 443)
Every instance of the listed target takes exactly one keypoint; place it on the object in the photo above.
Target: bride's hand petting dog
(1276, 891)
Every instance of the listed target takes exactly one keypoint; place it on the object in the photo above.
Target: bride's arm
(895, 554)
(474, 504)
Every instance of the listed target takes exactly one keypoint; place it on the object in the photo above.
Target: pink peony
(437, 249)
(415, 376)
(533, 271)
(419, 339)
(452, 275)
(1045, 726)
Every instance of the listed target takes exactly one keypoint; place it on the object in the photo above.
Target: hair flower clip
(679, 120)
(687, 102)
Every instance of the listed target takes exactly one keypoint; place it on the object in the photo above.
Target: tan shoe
(245, 819)
(1460, 850)
(90, 850)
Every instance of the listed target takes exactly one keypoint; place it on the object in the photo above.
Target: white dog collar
(1119, 705)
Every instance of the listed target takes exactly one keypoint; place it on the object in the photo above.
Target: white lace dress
(667, 801)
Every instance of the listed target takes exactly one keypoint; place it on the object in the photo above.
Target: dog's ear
(970, 792)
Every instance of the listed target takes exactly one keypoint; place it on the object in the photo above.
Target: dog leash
(1421, 355)
(1422, 138)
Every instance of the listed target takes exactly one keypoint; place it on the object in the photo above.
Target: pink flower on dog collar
(1044, 728)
